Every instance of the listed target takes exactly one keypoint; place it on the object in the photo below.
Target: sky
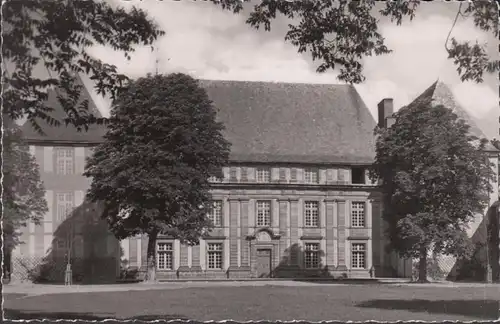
(209, 43)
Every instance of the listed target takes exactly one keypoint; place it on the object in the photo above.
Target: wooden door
(263, 263)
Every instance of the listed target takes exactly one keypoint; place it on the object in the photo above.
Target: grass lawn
(312, 303)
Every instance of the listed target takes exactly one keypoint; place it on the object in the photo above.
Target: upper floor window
(263, 213)
(263, 175)
(165, 256)
(233, 174)
(311, 213)
(358, 214)
(282, 174)
(214, 179)
(65, 158)
(311, 175)
(65, 205)
(215, 213)
(358, 175)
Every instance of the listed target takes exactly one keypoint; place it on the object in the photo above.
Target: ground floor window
(358, 255)
(214, 255)
(311, 256)
(165, 256)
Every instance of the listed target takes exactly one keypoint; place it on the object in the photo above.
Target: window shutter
(282, 174)
(232, 175)
(49, 197)
(244, 174)
(79, 154)
(79, 197)
(48, 159)
(293, 174)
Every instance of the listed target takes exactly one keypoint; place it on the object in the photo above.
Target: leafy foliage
(340, 34)
(435, 178)
(58, 34)
(152, 170)
(23, 196)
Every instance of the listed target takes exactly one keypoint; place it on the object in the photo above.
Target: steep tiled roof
(64, 134)
(291, 122)
(442, 95)
(273, 122)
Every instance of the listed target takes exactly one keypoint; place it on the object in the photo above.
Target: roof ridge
(277, 82)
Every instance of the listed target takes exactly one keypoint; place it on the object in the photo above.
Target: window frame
(214, 179)
(310, 253)
(270, 212)
(311, 210)
(311, 179)
(266, 178)
(66, 205)
(64, 160)
(211, 215)
(362, 175)
(355, 255)
(359, 220)
(210, 252)
(165, 252)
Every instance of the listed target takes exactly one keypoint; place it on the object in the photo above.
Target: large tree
(435, 178)
(57, 34)
(151, 172)
(23, 199)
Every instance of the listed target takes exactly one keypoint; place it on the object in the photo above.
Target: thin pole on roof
(157, 60)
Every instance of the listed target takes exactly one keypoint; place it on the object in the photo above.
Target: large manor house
(295, 199)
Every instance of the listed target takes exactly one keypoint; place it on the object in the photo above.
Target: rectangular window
(311, 213)
(215, 213)
(214, 254)
(65, 205)
(311, 256)
(311, 176)
(65, 158)
(232, 175)
(358, 214)
(214, 179)
(293, 174)
(263, 175)
(165, 256)
(244, 174)
(358, 256)
(263, 213)
(282, 174)
(358, 175)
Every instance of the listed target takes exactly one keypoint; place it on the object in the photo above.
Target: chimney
(385, 111)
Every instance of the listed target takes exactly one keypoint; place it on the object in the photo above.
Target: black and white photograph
(250, 160)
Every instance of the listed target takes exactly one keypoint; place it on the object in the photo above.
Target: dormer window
(214, 179)
(358, 175)
(311, 176)
(263, 175)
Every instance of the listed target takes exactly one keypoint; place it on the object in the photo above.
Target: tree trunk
(151, 257)
(422, 265)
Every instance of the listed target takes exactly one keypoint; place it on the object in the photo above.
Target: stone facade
(71, 229)
(286, 235)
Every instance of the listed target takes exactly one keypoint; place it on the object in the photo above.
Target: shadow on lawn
(15, 314)
(483, 309)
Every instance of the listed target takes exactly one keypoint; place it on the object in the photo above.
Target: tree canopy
(23, 198)
(57, 35)
(151, 172)
(435, 178)
(340, 34)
